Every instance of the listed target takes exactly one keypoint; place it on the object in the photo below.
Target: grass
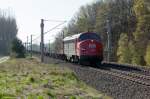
(30, 79)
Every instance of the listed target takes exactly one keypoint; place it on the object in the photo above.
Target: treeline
(8, 30)
(130, 28)
(136, 50)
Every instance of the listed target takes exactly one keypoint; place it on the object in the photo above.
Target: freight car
(83, 47)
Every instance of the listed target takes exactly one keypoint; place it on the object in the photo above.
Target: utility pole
(42, 40)
(31, 46)
(63, 41)
(27, 43)
(109, 39)
(49, 47)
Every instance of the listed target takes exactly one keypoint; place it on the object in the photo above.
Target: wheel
(80, 62)
(98, 63)
(93, 63)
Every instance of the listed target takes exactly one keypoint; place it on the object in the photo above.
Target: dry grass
(34, 80)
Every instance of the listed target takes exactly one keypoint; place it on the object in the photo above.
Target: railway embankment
(120, 83)
(31, 79)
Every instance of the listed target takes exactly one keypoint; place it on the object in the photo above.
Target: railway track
(132, 74)
(141, 69)
(127, 72)
(140, 79)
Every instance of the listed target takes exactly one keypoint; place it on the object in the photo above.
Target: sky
(29, 13)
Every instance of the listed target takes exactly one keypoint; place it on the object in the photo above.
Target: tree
(122, 20)
(124, 52)
(18, 50)
(58, 44)
(8, 31)
(147, 57)
(86, 18)
(142, 32)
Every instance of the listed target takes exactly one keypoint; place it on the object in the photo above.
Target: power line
(55, 27)
(50, 29)
(55, 20)
(36, 38)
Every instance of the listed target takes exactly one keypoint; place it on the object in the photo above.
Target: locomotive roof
(72, 37)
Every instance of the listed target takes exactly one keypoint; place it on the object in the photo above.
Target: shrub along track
(119, 81)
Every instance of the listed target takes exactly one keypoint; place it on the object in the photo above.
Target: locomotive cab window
(91, 36)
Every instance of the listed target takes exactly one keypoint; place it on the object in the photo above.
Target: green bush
(124, 52)
(18, 50)
(147, 57)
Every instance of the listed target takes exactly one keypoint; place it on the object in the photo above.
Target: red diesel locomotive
(83, 47)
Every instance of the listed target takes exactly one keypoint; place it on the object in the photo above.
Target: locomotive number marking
(92, 46)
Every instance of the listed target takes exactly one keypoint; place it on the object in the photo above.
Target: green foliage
(31, 79)
(86, 18)
(7, 96)
(136, 55)
(147, 57)
(52, 96)
(18, 50)
(72, 97)
(40, 97)
(31, 96)
(124, 53)
(142, 32)
(141, 7)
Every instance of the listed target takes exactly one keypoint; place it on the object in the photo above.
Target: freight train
(81, 48)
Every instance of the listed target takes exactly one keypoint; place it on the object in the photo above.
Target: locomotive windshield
(92, 36)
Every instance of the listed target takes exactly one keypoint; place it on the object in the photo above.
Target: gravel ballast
(113, 86)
